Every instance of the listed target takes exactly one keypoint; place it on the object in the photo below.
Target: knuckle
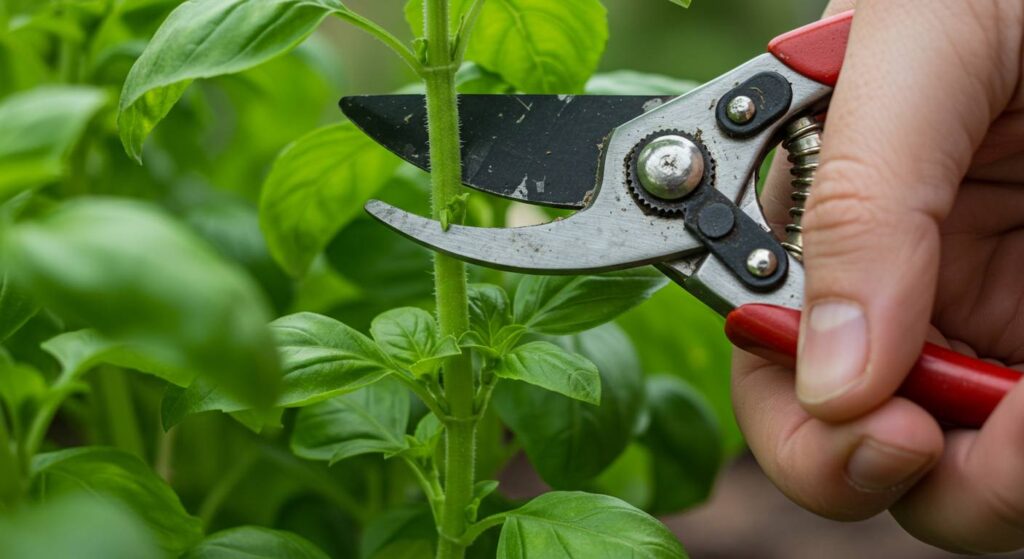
(840, 210)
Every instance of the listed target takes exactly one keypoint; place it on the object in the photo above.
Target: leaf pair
(323, 358)
(539, 363)
(556, 305)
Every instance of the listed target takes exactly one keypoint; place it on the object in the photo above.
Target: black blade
(542, 149)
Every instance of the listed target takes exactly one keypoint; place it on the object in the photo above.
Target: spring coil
(803, 142)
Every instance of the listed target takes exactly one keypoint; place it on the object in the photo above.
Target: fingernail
(876, 466)
(833, 351)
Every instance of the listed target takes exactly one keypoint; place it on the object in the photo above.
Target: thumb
(920, 85)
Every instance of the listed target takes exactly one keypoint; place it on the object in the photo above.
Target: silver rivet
(741, 109)
(762, 263)
(670, 167)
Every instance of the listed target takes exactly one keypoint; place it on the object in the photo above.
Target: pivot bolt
(741, 109)
(670, 167)
(762, 263)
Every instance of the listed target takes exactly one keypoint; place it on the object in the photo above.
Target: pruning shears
(669, 182)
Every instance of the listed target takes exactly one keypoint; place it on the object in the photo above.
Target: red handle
(954, 388)
(817, 50)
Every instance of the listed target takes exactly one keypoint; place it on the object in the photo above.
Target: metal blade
(541, 149)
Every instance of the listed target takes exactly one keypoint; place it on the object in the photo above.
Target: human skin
(914, 232)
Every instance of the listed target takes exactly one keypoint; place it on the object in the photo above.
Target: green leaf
(683, 3)
(207, 38)
(79, 351)
(318, 185)
(370, 420)
(573, 525)
(321, 357)
(552, 368)
(17, 306)
(409, 335)
(253, 542)
(140, 278)
(324, 358)
(685, 442)
(568, 441)
(81, 526)
(116, 474)
(39, 127)
(567, 304)
(489, 312)
(537, 46)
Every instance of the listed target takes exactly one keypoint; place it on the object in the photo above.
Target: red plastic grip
(817, 50)
(954, 388)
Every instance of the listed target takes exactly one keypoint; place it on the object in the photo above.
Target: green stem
(10, 471)
(114, 398)
(430, 485)
(163, 464)
(478, 528)
(61, 389)
(450, 280)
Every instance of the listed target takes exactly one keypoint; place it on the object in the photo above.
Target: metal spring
(803, 142)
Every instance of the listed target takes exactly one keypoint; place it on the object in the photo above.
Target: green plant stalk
(450, 280)
(10, 471)
(114, 398)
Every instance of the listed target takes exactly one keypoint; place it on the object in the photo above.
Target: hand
(917, 218)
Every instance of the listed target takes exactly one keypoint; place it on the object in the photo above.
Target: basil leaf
(537, 46)
(685, 442)
(583, 526)
(370, 420)
(253, 542)
(321, 357)
(568, 441)
(318, 185)
(409, 335)
(324, 358)
(489, 312)
(207, 38)
(552, 368)
(39, 127)
(140, 278)
(568, 304)
(123, 476)
(81, 526)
